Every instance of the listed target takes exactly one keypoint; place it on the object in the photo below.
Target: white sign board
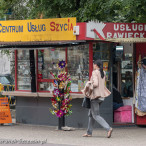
(4, 64)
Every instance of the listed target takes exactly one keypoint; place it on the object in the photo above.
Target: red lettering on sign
(71, 28)
(68, 23)
(57, 27)
(52, 24)
(60, 27)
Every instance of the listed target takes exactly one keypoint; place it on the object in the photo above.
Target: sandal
(109, 133)
(87, 135)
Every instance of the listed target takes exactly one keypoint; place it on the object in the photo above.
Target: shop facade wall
(31, 110)
(140, 49)
(79, 117)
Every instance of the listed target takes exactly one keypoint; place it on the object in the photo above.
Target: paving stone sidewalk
(45, 135)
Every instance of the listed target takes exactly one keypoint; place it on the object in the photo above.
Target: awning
(127, 40)
(38, 44)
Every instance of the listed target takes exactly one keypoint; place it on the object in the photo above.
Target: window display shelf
(22, 84)
(22, 77)
(23, 60)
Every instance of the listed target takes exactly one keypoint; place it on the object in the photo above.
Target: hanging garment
(142, 90)
(137, 87)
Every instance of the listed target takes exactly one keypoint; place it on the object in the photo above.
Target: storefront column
(90, 59)
(15, 69)
(32, 71)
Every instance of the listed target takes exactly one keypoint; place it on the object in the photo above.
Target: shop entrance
(123, 81)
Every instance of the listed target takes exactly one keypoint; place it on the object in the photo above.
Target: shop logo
(95, 29)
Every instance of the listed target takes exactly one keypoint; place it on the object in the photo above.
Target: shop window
(78, 66)
(47, 60)
(102, 51)
(23, 70)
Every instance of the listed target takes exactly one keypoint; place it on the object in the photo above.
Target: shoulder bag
(86, 103)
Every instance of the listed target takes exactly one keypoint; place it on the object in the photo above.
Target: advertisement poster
(105, 66)
(5, 115)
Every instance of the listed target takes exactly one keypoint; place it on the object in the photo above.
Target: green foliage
(7, 52)
(84, 10)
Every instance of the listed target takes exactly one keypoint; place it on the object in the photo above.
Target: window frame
(52, 80)
(66, 59)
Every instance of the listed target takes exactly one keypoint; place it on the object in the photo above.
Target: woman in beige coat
(97, 97)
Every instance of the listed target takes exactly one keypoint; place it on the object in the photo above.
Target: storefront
(128, 48)
(113, 43)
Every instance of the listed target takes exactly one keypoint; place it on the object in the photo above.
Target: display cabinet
(47, 62)
(78, 66)
(23, 70)
(77, 59)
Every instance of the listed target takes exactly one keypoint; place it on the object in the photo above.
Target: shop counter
(37, 94)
